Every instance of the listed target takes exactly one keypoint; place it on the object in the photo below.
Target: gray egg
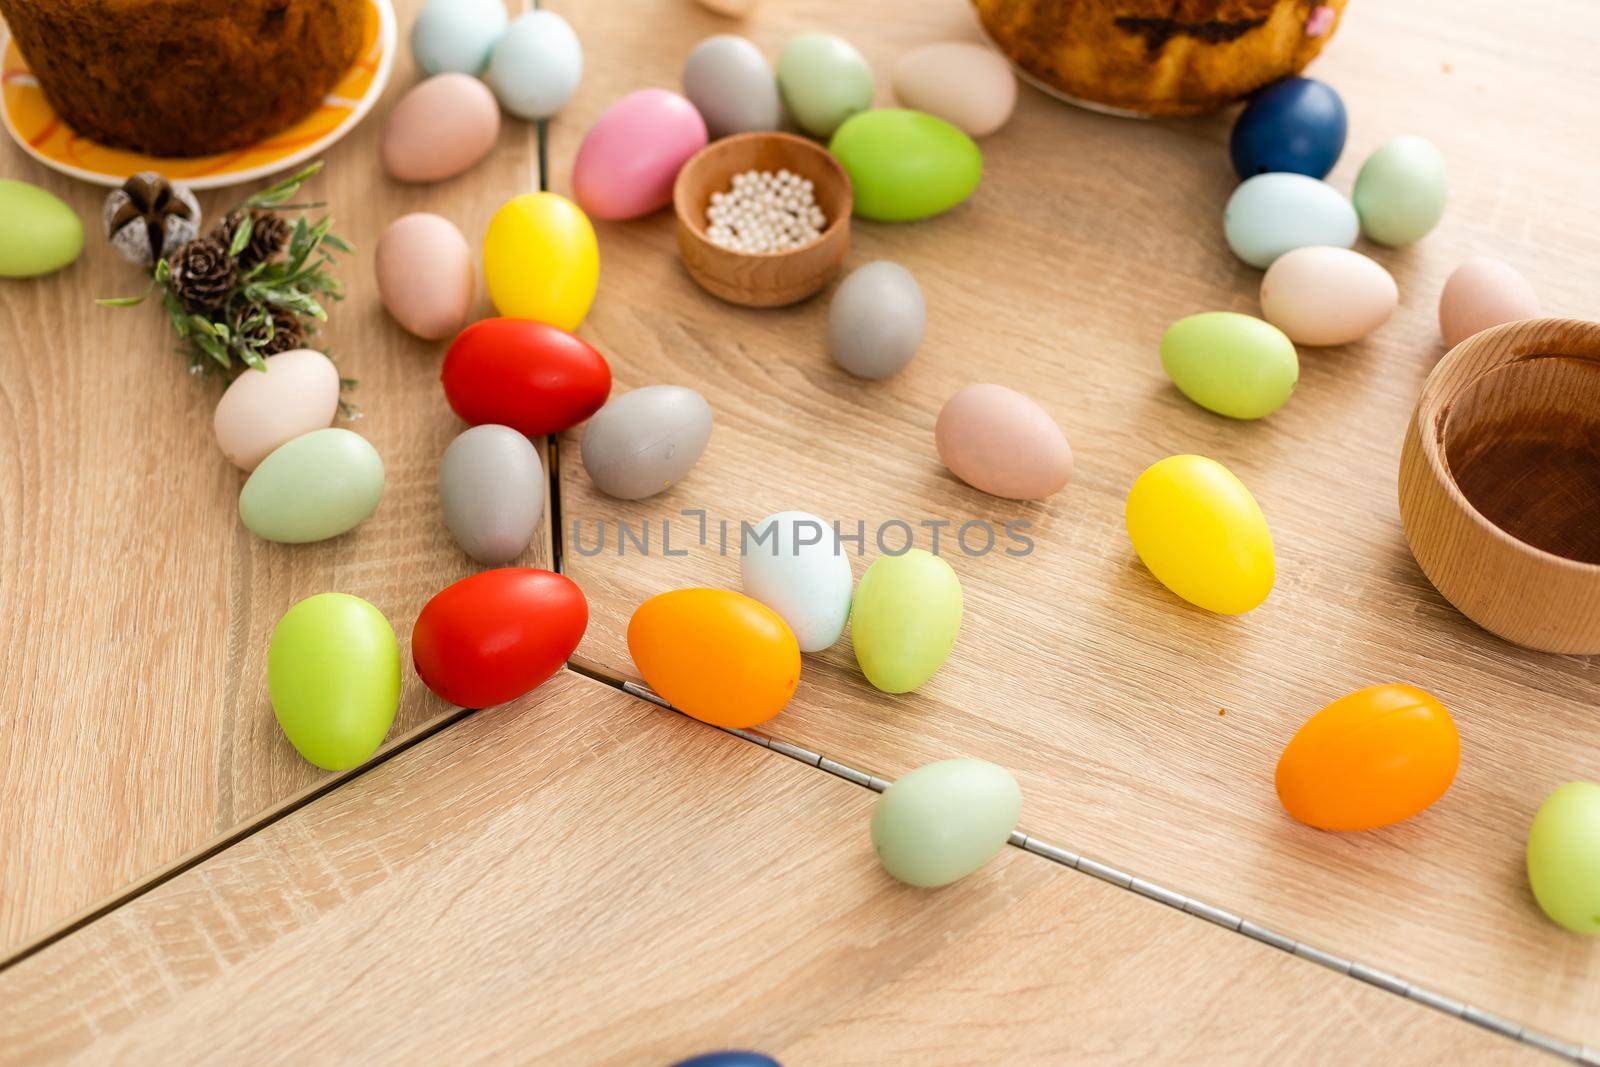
(729, 81)
(876, 319)
(642, 442)
(491, 485)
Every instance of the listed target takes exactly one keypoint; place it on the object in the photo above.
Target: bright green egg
(905, 618)
(38, 232)
(333, 674)
(823, 81)
(906, 165)
(1401, 190)
(1564, 856)
(1233, 364)
(314, 487)
(942, 821)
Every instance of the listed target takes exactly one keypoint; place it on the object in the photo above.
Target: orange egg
(720, 656)
(1375, 757)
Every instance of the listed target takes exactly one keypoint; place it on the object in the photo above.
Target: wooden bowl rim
(685, 213)
(1547, 338)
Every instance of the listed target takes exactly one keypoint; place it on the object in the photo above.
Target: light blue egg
(536, 65)
(1271, 214)
(457, 35)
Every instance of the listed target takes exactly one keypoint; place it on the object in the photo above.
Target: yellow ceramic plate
(35, 126)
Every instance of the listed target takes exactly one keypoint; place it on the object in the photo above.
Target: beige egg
(967, 85)
(1326, 296)
(1481, 293)
(729, 7)
(440, 127)
(997, 440)
(425, 275)
(296, 394)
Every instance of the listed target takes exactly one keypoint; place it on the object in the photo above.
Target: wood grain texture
(1144, 732)
(135, 609)
(581, 878)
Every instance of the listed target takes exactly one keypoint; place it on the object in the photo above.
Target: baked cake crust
(1159, 57)
(185, 77)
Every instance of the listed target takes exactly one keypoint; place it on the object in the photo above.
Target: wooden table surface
(443, 889)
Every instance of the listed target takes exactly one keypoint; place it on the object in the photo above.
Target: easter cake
(185, 77)
(1158, 57)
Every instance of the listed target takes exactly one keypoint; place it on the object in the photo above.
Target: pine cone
(285, 329)
(203, 275)
(269, 235)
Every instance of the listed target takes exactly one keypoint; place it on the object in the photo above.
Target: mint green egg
(1233, 364)
(39, 233)
(1564, 856)
(904, 620)
(823, 81)
(943, 821)
(333, 675)
(906, 165)
(313, 487)
(1401, 191)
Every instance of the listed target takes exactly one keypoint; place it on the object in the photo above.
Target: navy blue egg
(1296, 125)
(729, 1059)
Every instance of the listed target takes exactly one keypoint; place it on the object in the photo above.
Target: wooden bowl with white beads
(762, 279)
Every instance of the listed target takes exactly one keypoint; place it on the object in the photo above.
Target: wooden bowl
(770, 279)
(1500, 482)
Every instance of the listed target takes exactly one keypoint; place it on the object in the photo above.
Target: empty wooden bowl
(770, 279)
(1500, 482)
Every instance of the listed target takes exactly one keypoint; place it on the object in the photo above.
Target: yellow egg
(1202, 534)
(540, 260)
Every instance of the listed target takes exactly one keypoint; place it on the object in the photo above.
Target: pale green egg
(1401, 191)
(905, 618)
(1233, 364)
(942, 821)
(823, 81)
(38, 232)
(314, 487)
(333, 675)
(1564, 856)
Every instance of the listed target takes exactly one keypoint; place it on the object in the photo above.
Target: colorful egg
(317, 486)
(1233, 364)
(905, 165)
(1375, 757)
(729, 82)
(943, 821)
(1002, 443)
(1271, 214)
(1296, 125)
(1564, 857)
(425, 275)
(491, 489)
(528, 375)
(262, 409)
(794, 564)
(732, 1057)
(969, 86)
(1401, 191)
(1327, 296)
(823, 80)
(719, 656)
(1201, 533)
(632, 154)
(456, 35)
(439, 129)
(540, 260)
(644, 442)
(537, 65)
(39, 233)
(876, 320)
(333, 675)
(905, 619)
(493, 636)
(1481, 293)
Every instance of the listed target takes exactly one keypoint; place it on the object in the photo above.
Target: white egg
(794, 564)
(536, 65)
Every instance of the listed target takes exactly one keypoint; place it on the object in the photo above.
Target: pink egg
(1481, 293)
(997, 440)
(632, 154)
(440, 127)
(425, 275)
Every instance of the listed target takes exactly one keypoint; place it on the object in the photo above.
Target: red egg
(528, 375)
(494, 636)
